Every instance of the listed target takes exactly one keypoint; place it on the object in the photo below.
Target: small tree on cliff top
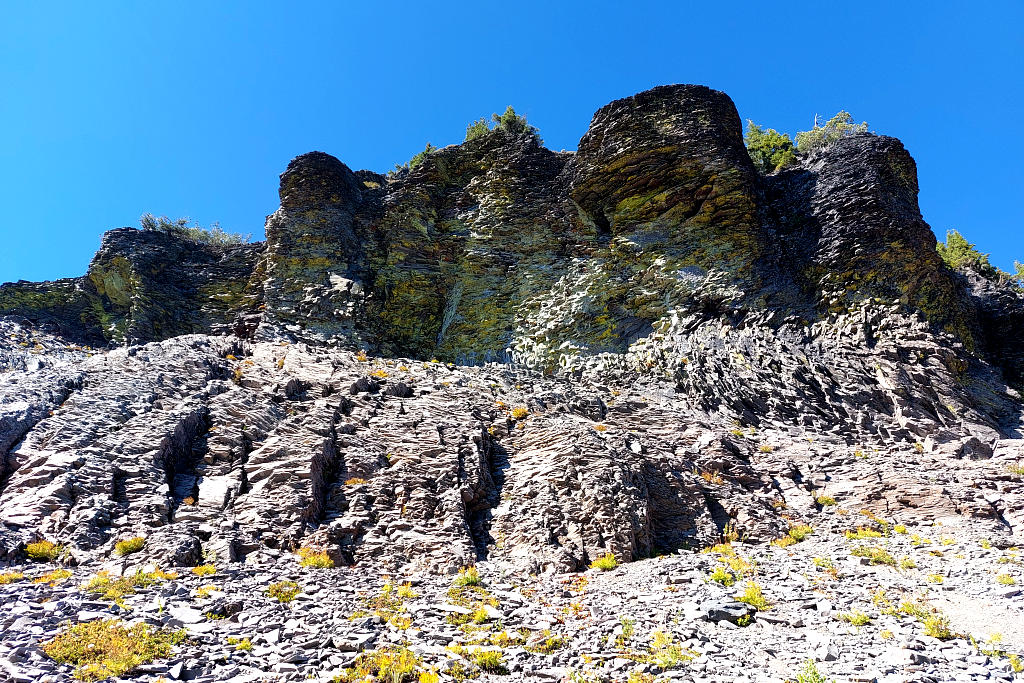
(510, 122)
(959, 254)
(839, 126)
(769, 149)
(183, 227)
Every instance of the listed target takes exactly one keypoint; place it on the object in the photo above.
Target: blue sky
(112, 109)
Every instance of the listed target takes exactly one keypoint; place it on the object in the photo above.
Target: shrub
(355, 481)
(1006, 580)
(514, 124)
(490, 661)
(204, 570)
(468, 576)
(519, 412)
(416, 160)
(768, 149)
(819, 137)
(477, 129)
(54, 577)
(108, 648)
(862, 533)
(754, 596)
(856, 618)
(394, 664)
(666, 653)
(784, 542)
(11, 577)
(723, 577)
(875, 555)
(129, 545)
(315, 559)
(283, 591)
(192, 231)
(43, 551)
(605, 563)
(825, 501)
(241, 644)
(810, 674)
(547, 645)
(800, 532)
(937, 626)
(203, 592)
(958, 253)
(117, 587)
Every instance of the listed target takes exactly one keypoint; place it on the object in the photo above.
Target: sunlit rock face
(507, 352)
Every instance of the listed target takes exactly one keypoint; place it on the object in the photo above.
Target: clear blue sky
(112, 109)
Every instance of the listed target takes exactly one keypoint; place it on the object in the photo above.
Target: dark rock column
(666, 169)
(314, 269)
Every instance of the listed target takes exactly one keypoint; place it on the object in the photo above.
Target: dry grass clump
(108, 648)
(11, 577)
(605, 563)
(468, 576)
(315, 559)
(547, 644)
(393, 664)
(283, 591)
(754, 596)
(117, 587)
(54, 577)
(874, 554)
(43, 551)
(129, 546)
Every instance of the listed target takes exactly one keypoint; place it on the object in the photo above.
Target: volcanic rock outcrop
(510, 353)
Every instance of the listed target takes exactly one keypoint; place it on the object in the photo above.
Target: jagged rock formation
(693, 346)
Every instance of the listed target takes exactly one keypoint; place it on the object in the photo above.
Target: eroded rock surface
(527, 360)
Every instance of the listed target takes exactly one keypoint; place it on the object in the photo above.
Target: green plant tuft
(107, 648)
(129, 545)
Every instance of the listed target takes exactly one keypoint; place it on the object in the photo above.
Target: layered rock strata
(511, 353)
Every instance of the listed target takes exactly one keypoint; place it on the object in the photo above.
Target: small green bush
(722, 576)
(810, 674)
(514, 124)
(283, 591)
(605, 563)
(468, 576)
(855, 618)
(43, 551)
(315, 559)
(129, 546)
(11, 577)
(754, 596)
(768, 149)
(117, 587)
(107, 648)
(477, 129)
(183, 227)
(839, 126)
(417, 158)
(874, 554)
(490, 661)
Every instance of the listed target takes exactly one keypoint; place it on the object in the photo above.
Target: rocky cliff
(521, 356)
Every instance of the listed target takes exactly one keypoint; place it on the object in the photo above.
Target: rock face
(532, 357)
(142, 286)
